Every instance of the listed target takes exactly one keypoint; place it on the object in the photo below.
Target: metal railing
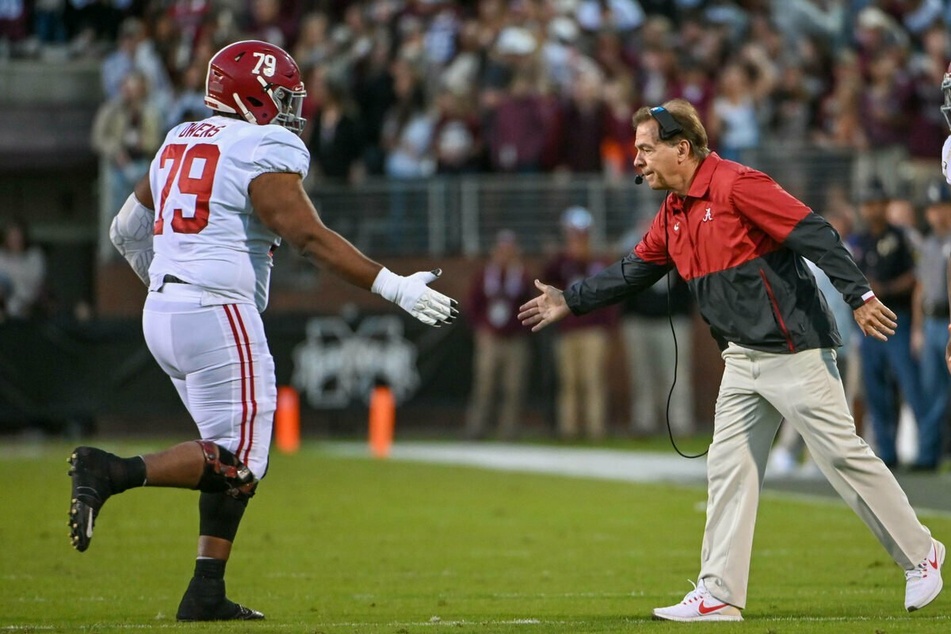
(460, 215)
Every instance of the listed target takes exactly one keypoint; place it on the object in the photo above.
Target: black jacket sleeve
(629, 275)
(815, 239)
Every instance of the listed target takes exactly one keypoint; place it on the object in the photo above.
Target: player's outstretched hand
(412, 294)
(545, 309)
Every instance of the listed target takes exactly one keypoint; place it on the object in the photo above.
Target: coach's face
(662, 165)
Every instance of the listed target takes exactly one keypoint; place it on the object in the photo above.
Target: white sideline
(585, 462)
(604, 464)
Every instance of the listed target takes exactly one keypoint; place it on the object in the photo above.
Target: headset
(668, 128)
(668, 125)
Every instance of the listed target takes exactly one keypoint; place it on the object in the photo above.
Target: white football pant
(218, 359)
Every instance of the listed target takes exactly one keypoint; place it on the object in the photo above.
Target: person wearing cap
(582, 345)
(930, 316)
(501, 347)
(886, 258)
(739, 240)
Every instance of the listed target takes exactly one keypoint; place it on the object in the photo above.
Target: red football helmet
(946, 89)
(258, 81)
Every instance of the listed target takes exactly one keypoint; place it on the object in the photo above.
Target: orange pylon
(287, 420)
(382, 420)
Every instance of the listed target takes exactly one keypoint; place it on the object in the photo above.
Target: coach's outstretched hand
(875, 319)
(412, 294)
(545, 309)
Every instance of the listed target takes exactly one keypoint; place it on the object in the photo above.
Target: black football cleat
(91, 488)
(224, 611)
(205, 601)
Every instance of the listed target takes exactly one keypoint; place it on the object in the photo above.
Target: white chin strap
(244, 110)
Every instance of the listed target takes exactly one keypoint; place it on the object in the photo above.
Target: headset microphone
(638, 179)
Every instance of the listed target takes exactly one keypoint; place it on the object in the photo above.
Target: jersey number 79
(183, 159)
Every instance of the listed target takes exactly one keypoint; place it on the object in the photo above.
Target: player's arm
(131, 229)
(282, 204)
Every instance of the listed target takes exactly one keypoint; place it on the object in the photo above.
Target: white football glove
(412, 294)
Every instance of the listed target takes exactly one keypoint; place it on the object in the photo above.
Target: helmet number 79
(194, 170)
(268, 61)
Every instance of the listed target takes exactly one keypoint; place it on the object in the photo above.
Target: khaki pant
(650, 355)
(758, 390)
(499, 370)
(582, 382)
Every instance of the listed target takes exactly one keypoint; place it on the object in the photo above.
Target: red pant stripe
(254, 401)
(244, 368)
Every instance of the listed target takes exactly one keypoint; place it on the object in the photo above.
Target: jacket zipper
(775, 306)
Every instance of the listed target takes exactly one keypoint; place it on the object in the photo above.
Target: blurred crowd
(411, 88)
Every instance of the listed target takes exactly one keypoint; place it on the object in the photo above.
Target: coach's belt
(171, 279)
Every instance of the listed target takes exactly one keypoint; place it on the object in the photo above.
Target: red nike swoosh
(934, 562)
(707, 609)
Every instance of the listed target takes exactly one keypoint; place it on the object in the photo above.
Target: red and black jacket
(738, 239)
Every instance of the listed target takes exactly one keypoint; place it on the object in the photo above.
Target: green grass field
(342, 544)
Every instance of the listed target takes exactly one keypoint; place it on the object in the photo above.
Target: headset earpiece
(668, 125)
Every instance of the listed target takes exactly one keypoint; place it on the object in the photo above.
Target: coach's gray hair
(686, 115)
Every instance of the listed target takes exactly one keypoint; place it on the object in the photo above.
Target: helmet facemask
(289, 104)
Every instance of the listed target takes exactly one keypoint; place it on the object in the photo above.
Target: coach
(738, 239)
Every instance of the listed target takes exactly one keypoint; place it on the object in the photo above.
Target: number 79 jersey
(206, 232)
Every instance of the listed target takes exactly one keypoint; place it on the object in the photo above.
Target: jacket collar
(703, 176)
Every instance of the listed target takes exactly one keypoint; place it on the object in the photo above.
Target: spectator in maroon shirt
(583, 124)
(583, 341)
(886, 102)
(928, 128)
(693, 83)
(502, 350)
(617, 146)
(457, 137)
(14, 22)
(275, 22)
(612, 56)
(517, 129)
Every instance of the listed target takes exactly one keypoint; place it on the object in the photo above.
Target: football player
(200, 230)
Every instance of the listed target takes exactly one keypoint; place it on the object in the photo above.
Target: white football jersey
(206, 232)
(946, 159)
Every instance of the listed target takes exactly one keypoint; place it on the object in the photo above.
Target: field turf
(351, 544)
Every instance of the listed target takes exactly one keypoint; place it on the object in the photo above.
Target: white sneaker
(923, 582)
(699, 605)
